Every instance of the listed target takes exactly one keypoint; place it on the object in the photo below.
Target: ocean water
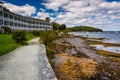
(110, 37)
(110, 48)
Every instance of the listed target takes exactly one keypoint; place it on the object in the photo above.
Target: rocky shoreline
(72, 48)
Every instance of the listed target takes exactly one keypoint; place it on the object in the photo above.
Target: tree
(55, 25)
(47, 19)
(62, 27)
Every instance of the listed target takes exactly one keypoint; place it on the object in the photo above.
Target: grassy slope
(7, 44)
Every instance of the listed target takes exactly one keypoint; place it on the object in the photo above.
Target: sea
(109, 37)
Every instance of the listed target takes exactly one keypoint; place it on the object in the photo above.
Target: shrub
(36, 33)
(19, 36)
(6, 30)
(50, 52)
(47, 37)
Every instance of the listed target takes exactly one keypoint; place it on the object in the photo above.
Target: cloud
(41, 9)
(96, 13)
(42, 15)
(25, 10)
(54, 4)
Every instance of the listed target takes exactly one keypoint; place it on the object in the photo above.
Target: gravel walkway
(26, 63)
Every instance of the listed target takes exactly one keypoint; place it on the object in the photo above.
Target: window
(6, 22)
(0, 13)
(1, 22)
(5, 15)
(22, 20)
(11, 17)
(11, 23)
(15, 24)
(33, 22)
(25, 21)
(19, 25)
(15, 18)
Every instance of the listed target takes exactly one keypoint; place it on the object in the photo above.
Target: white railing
(23, 28)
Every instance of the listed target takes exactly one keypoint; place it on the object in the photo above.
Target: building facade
(15, 21)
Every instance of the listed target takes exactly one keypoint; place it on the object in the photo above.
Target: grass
(29, 36)
(7, 44)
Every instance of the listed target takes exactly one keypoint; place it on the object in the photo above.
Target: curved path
(26, 63)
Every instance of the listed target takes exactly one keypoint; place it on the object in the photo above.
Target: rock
(77, 68)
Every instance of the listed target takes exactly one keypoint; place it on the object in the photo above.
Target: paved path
(26, 63)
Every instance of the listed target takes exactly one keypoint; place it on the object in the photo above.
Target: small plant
(36, 33)
(19, 36)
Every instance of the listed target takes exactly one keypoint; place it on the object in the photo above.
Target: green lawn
(29, 36)
(7, 44)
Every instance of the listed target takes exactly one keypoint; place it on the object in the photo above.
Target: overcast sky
(104, 14)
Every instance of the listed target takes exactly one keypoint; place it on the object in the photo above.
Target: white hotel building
(15, 21)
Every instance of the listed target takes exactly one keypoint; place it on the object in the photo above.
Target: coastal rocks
(64, 47)
(78, 48)
(77, 68)
(84, 49)
(61, 47)
(73, 51)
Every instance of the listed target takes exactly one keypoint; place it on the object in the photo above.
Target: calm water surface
(110, 37)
